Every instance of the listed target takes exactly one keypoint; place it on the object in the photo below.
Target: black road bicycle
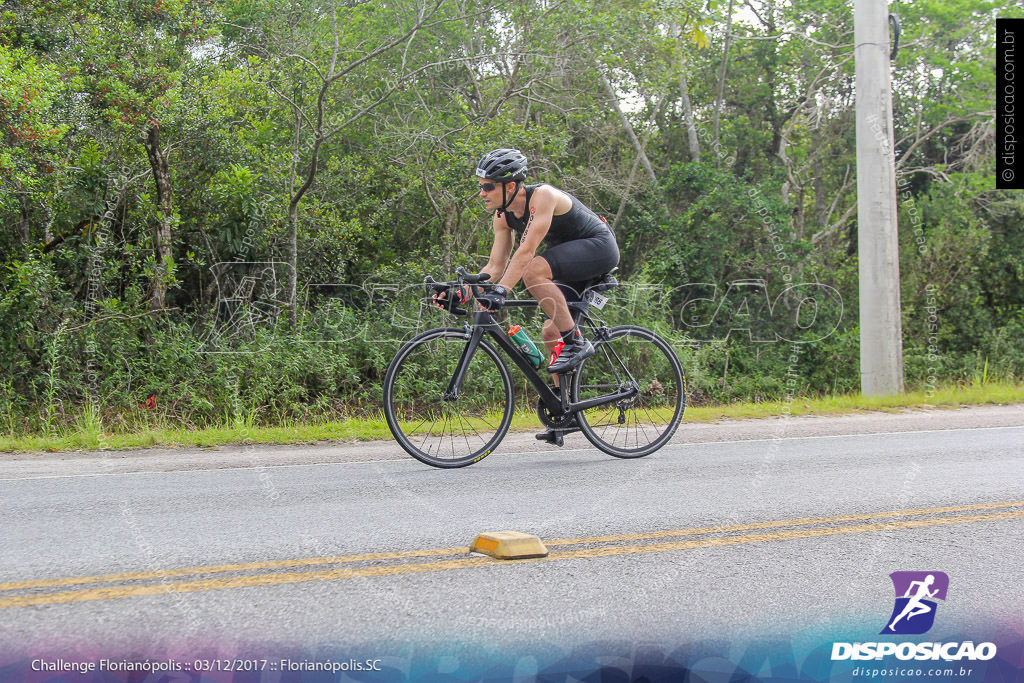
(448, 393)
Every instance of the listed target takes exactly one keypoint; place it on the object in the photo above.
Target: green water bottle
(528, 348)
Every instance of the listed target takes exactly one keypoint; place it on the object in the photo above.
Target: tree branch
(935, 129)
(827, 232)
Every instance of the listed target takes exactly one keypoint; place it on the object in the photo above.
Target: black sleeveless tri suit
(579, 245)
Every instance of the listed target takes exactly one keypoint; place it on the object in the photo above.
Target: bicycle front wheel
(631, 358)
(439, 431)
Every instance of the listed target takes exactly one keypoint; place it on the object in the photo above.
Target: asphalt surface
(737, 529)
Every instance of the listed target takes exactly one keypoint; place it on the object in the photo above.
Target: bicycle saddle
(602, 283)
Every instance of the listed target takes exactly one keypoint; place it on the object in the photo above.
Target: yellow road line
(792, 522)
(465, 563)
(239, 582)
(188, 571)
(610, 551)
(281, 564)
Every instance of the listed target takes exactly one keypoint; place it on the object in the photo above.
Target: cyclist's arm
(500, 250)
(542, 209)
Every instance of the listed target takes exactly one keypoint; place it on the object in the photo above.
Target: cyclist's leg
(577, 261)
(539, 280)
(574, 348)
(550, 334)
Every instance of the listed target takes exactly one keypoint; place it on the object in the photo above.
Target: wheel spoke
(447, 432)
(631, 355)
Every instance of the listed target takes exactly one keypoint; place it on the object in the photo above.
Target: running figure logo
(914, 612)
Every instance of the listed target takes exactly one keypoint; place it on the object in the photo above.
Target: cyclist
(579, 247)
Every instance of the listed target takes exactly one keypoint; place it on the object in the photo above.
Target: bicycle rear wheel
(438, 431)
(634, 427)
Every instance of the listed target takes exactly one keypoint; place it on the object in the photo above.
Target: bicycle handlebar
(463, 277)
(478, 283)
(471, 278)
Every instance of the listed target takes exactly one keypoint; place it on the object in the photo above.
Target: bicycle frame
(626, 400)
(557, 404)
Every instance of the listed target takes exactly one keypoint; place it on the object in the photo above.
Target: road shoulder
(15, 466)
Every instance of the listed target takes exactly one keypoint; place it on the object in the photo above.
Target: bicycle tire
(649, 419)
(427, 426)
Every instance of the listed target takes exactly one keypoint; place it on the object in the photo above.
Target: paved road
(774, 531)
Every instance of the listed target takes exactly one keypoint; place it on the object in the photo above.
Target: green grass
(943, 397)
(87, 433)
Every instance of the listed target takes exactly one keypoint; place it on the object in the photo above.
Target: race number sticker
(595, 299)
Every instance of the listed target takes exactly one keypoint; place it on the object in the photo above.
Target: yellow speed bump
(508, 545)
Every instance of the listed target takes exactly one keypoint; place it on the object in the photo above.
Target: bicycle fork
(455, 385)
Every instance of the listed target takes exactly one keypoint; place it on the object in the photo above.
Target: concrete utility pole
(881, 336)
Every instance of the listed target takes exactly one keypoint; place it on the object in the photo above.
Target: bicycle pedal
(551, 436)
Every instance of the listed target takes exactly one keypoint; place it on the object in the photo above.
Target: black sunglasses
(487, 187)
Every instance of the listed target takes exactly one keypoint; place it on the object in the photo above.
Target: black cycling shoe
(568, 356)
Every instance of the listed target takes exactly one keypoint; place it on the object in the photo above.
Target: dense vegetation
(226, 204)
